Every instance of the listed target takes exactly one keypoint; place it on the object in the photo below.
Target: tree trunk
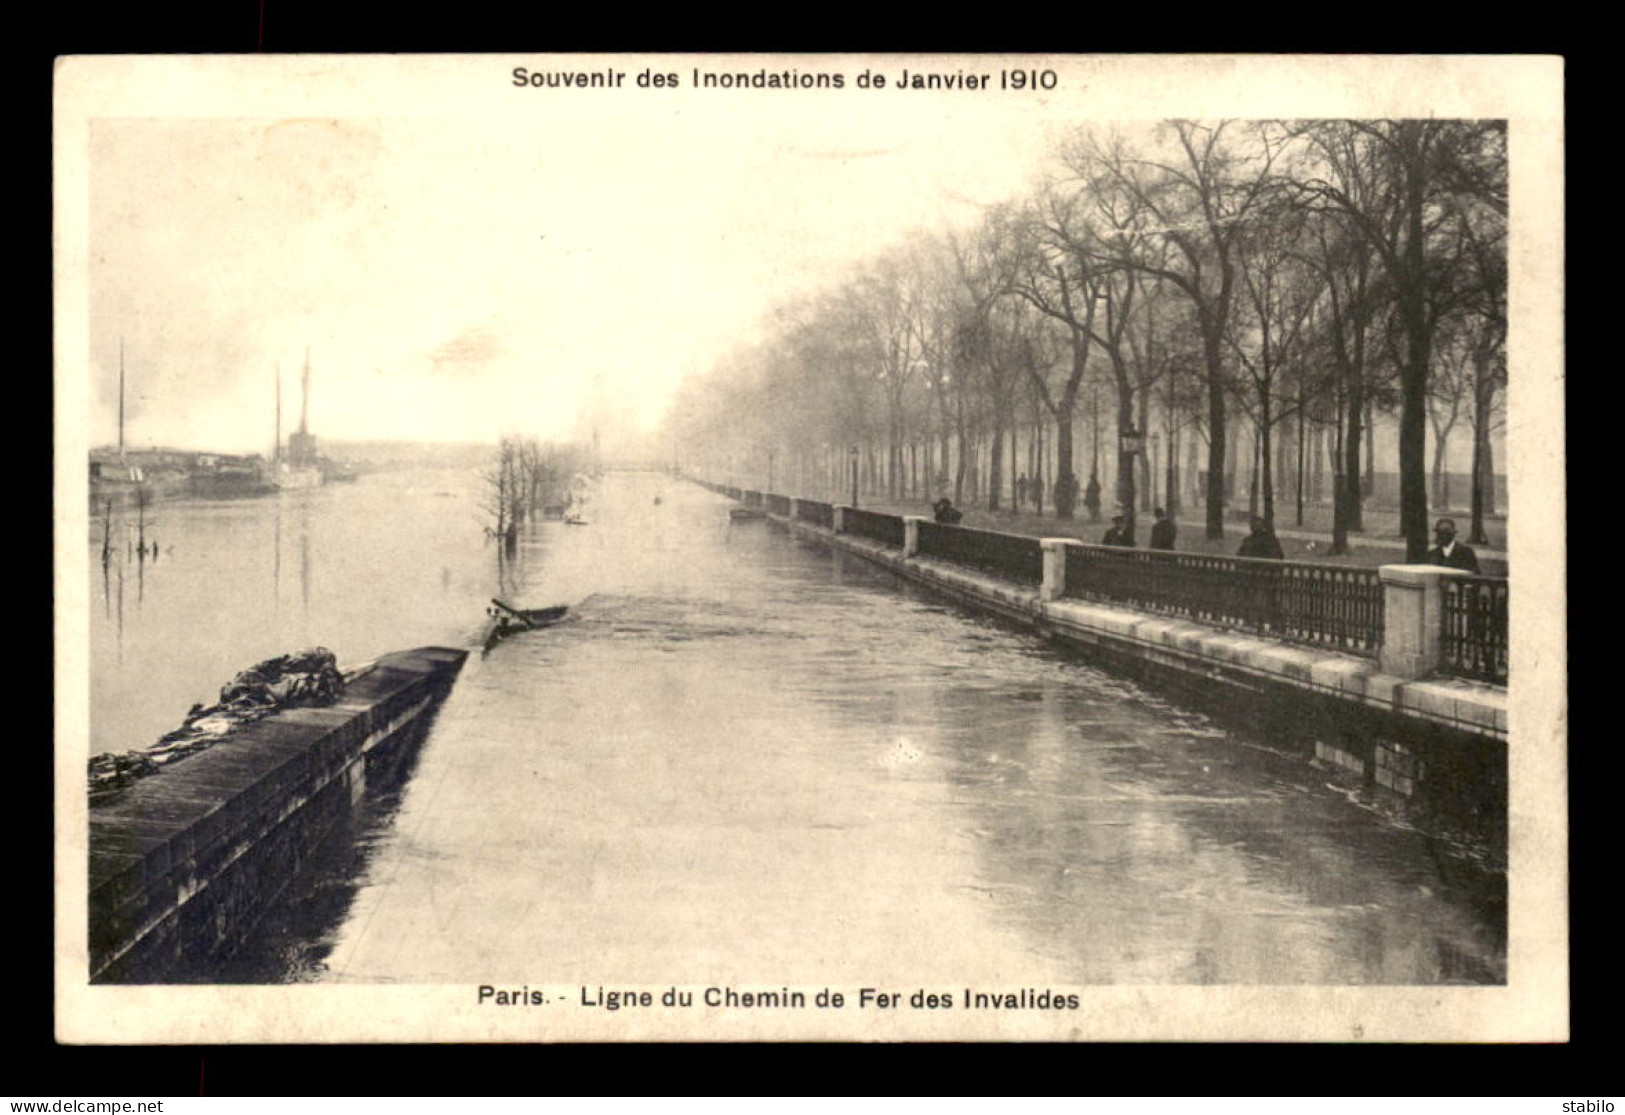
(1216, 488)
(1297, 487)
(1232, 470)
(1171, 481)
(1252, 477)
(1267, 461)
(1317, 468)
(995, 464)
(1193, 465)
(1483, 489)
(1413, 491)
(1014, 462)
(1369, 485)
(1441, 478)
(1066, 497)
(1037, 486)
(1353, 488)
(959, 462)
(1125, 460)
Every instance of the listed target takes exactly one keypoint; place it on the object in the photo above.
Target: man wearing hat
(1118, 535)
(1449, 552)
(1162, 531)
(1261, 543)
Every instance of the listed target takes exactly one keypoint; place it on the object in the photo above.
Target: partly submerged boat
(221, 476)
(503, 620)
(290, 477)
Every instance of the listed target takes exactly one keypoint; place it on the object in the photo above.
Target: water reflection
(378, 565)
(304, 566)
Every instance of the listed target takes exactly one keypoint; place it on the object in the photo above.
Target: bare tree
(1395, 180)
(987, 336)
(1279, 297)
(1198, 198)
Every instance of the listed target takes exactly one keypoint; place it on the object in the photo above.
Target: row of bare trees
(524, 478)
(1281, 275)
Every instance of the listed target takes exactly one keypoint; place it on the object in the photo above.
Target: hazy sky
(454, 278)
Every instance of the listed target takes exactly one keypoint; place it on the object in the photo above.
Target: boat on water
(127, 485)
(289, 477)
(222, 476)
(739, 514)
(134, 477)
(503, 620)
(337, 472)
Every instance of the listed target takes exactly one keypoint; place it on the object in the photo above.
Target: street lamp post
(1156, 458)
(1129, 443)
(852, 453)
(1092, 500)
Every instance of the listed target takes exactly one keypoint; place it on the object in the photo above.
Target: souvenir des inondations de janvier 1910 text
(1029, 80)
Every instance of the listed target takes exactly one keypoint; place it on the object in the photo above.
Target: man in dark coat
(945, 511)
(1261, 543)
(1162, 531)
(1118, 535)
(1449, 552)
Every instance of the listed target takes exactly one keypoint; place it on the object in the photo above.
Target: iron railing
(1473, 633)
(1008, 556)
(887, 529)
(1335, 606)
(815, 512)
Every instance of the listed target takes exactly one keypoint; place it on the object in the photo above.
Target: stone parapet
(1054, 585)
(182, 862)
(1385, 685)
(1411, 618)
(911, 534)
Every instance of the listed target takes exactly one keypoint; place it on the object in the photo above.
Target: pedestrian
(1118, 534)
(1021, 491)
(1091, 496)
(1449, 552)
(1261, 543)
(945, 512)
(1162, 531)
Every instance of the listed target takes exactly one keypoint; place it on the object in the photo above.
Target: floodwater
(394, 560)
(746, 756)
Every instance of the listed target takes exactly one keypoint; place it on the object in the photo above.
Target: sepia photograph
(809, 547)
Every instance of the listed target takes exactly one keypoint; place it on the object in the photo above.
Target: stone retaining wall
(1432, 745)
(182, 863)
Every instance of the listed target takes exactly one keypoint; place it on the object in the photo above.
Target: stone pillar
(839, 521)
(1411, 619)
(1054, 585)
(911, 535)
